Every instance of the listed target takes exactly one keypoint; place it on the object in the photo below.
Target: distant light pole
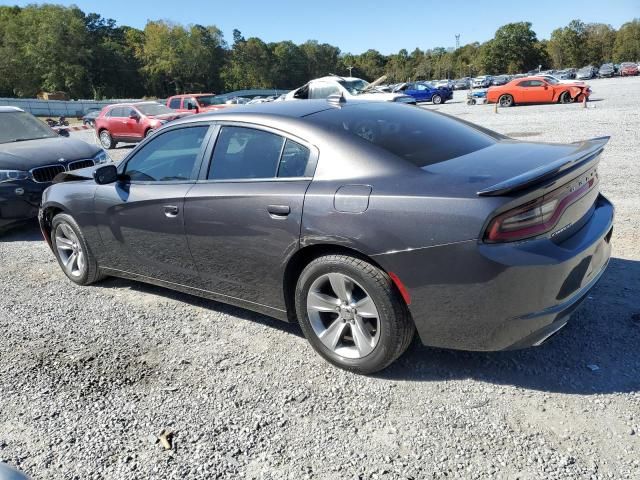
(350, 68)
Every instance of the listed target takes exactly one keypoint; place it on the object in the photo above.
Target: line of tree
(56, 48)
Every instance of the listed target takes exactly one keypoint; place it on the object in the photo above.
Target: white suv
(351, 88)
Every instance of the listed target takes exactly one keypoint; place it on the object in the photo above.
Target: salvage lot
(90, 376)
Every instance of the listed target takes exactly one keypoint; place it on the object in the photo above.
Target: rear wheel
(352, 314)
(436, 99)
(106, 140)
(72, 251)
(505, 101)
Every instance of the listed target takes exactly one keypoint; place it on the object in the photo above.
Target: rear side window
(323, 90)
(419, 136)
(174, 103)
(248, 153)
(169, 156)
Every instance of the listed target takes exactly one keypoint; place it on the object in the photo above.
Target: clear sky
(357, 25)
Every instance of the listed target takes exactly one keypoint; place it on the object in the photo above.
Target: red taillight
(536, 217)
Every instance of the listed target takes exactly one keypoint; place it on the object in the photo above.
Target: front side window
(244, 153)
(536, 83)
(169, 156)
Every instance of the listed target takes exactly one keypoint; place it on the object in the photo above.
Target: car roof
(133, 104)
(10, 109)
(292, 109)
(192, 95)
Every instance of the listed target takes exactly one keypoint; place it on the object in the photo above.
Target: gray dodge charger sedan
(362, 221)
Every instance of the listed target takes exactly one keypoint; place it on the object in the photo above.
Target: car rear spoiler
(587, 153)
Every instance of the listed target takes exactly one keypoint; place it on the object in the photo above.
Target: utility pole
(457, 41)
(350, 68)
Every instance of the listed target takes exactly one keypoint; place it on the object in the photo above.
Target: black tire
(436, 99)
(565, 97)
(106, 140)
(396, 328)
(91, 272)
(505, 101)
(148, 132)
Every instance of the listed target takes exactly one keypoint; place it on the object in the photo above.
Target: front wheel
(565, 97)
(72, 251)
(505, 101)
(436, 99)
(352, 314)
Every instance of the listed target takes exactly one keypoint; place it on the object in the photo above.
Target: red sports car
(131, 122)
(537, 90)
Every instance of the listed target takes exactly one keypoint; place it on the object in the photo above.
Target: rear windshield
(419, 136)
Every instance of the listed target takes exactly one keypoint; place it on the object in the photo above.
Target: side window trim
(314, 154)
(196, 166)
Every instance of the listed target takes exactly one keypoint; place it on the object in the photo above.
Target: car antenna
(336, 100)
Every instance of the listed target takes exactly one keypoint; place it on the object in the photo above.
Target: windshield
(152, 109)
(207, 100)
(628, 64)
(551, 80)
(354, 87)
(20, 126)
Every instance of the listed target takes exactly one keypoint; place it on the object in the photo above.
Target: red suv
(196, 102)
(131, 122)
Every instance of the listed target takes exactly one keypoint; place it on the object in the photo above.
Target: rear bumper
(473, 296)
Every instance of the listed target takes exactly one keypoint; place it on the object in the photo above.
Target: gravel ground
(90, 377)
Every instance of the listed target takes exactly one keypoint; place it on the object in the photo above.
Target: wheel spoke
(366, 308)
(64, 243)
(71, 261)
(362, 338)
(80, 261)
(332, 335)
(341, 286)
(321, 302)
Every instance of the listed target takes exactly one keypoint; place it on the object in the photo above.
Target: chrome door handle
(171, 210)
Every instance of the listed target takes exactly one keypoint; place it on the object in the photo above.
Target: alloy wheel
(70, 251)
(105, 139)
(343, 315)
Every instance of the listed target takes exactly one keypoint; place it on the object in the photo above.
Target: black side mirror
(134, 116)
(105, 174)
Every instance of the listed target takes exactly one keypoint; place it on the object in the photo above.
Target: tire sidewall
(438, 98)
(68, 220)
(378, 358)
(505, 97)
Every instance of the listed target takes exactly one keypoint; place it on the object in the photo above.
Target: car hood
(378, 96)
(35, 153)
(171, 116)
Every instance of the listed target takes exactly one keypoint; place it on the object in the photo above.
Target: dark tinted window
(168, 156)
(245, 153)
(417, 135)
(174, 103)
(295, 158)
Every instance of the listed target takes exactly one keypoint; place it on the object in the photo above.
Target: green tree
(513, 49)
(627, 43)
